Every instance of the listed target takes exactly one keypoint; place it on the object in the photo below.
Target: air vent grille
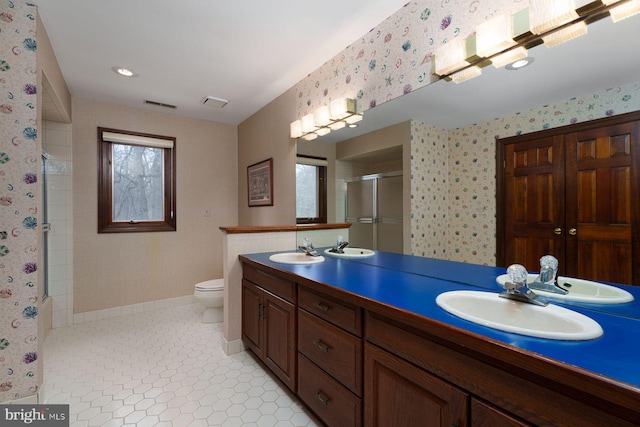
(159, 104)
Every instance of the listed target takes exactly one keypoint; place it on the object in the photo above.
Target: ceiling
(252, 53)
(247, 52)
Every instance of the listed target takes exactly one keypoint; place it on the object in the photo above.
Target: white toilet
(210, 294)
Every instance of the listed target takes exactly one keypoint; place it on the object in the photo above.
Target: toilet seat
(210, 285)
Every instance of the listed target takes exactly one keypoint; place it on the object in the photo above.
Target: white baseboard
(233, 347)
(108, 313)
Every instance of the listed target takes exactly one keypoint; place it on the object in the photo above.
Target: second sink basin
(489, 309)
(295, 258)
(581, 290)
(351, 253)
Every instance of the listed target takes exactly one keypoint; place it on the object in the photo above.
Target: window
(311, 190)
(136, 182)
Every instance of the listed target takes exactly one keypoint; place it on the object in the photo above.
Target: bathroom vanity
(362, 342)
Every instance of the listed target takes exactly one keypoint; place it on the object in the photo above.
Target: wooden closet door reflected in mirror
(573, 192)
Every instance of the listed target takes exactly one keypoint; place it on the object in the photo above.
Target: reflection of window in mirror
(311, 190)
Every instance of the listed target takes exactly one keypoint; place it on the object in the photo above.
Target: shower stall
(374, 209)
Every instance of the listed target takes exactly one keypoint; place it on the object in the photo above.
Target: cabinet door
(252, 312)
(602, 203)
(483, 415)
(533, 201)
(279, 352)
(398, 393)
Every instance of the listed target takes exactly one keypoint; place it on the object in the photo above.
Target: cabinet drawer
(280, 287)
(332, 349)
(330, 401)
(345, 316)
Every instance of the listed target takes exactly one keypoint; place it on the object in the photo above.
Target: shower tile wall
(57, 143)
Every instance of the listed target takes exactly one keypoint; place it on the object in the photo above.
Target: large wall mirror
(604, 58)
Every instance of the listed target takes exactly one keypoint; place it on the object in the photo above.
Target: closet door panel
(601, 198)
(534, 201)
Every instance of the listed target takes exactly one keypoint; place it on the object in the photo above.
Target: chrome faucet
(516, 287)
(546, 280)
(340, 245)
(307, 248)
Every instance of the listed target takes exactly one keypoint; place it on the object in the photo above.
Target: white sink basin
(550, 322)
(351, 253)
(581, 290)
(295, 258)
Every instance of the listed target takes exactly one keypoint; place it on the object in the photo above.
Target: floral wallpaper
(466, 161)
(429, 191)
(19, 192)
(394, 58)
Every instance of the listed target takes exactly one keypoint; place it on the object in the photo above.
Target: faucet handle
(549, 261)
(517, 274)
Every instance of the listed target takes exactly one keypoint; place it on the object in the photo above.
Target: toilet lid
(210, 285)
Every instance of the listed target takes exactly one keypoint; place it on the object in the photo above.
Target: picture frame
(260, 183)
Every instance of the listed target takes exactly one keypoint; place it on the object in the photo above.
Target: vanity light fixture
(124, 72)
(505, 39)
(624, 10)
(339, 113)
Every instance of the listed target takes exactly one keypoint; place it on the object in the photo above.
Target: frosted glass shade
(450, 56)
(624, 10)
(494, 35)
(545, 15)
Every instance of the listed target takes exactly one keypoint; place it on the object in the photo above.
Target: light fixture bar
(338, 114)
(528, 31)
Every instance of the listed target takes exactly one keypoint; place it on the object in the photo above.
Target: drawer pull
(322, 346)
(321, 397)
(322, 306)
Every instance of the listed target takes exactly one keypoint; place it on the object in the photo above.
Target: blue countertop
(412, 283)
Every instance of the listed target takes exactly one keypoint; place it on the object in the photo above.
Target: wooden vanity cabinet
(484, 415)
(330, 358)
(269, 323)
(355, 362)
(504, 388)
(399, 393)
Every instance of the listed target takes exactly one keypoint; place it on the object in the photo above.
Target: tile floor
(161, 368)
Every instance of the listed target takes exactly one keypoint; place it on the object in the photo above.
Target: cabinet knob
(573, 231)
(321, 397)
(322, 346)
(322, 306)
(557, 231)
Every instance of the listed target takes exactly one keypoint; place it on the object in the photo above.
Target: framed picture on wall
(260, 183)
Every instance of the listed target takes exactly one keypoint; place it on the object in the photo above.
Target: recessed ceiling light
(520, 63)
(125, 72)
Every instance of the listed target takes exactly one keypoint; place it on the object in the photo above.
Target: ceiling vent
(212, 101)
(159, 104)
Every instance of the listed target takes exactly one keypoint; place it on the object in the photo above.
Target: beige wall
(113, 270)
(262, 136)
